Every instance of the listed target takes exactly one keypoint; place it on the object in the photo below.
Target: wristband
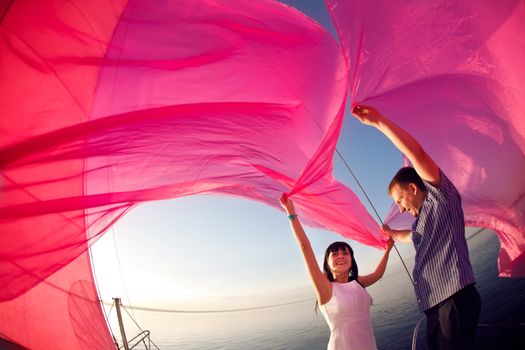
(292, 216)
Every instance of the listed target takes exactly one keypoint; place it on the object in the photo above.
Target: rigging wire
(120, 267)
(106, 315)
(141, 308)
(343, 107)
(373, 207)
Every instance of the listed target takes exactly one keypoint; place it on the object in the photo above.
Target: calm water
(394, 316)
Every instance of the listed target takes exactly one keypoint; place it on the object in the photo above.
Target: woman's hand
(389, 244)
(287, 204)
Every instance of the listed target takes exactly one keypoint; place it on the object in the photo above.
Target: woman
(341, 293)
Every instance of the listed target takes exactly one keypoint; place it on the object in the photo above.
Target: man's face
(407, 197)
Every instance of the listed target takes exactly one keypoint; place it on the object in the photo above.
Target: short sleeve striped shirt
(442, 265)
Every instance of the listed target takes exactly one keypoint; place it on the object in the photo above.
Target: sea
(395, 316)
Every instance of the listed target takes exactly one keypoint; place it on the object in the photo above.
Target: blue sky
(210, 252)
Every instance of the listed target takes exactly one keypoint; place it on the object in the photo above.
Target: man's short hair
(405, 176)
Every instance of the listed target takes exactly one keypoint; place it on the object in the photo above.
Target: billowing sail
(107, 105)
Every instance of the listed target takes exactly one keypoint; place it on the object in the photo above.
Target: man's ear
(412, 188)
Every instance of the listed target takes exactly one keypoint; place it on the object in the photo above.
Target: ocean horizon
(394, 316)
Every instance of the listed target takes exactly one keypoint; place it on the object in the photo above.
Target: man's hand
(366, 114)
(404, 236)
(387, 230)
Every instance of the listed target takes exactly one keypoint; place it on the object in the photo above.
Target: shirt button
(419, 300)
(415, 282)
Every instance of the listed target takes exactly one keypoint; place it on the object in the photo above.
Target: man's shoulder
(445, 189)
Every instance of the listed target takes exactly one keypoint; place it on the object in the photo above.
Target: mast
(121, 325)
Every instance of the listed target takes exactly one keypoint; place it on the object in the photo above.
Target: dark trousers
(452, 323)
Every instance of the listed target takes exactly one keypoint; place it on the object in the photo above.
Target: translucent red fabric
(48, 299)
(452, 74)
(111, 104)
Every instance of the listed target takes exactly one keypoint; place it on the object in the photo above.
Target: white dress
(348, 316)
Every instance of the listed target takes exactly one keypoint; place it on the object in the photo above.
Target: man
(443, 276)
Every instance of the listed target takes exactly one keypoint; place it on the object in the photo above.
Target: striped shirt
(442, 264)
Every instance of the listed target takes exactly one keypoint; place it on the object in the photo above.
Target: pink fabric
(111, 104)
(452, 74)
(48, 299)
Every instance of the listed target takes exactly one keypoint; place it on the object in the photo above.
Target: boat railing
(142, 337)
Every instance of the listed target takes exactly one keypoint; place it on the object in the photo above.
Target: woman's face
(340, 261)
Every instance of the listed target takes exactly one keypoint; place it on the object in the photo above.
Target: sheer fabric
(109, 104)
(452, 74)
(112, 104)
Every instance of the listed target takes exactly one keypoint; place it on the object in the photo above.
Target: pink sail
(109, 104)
(452, 74)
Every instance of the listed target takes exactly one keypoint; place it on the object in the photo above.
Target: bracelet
(292, 216)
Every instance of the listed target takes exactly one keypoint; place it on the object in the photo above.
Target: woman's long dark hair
(333, 248)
